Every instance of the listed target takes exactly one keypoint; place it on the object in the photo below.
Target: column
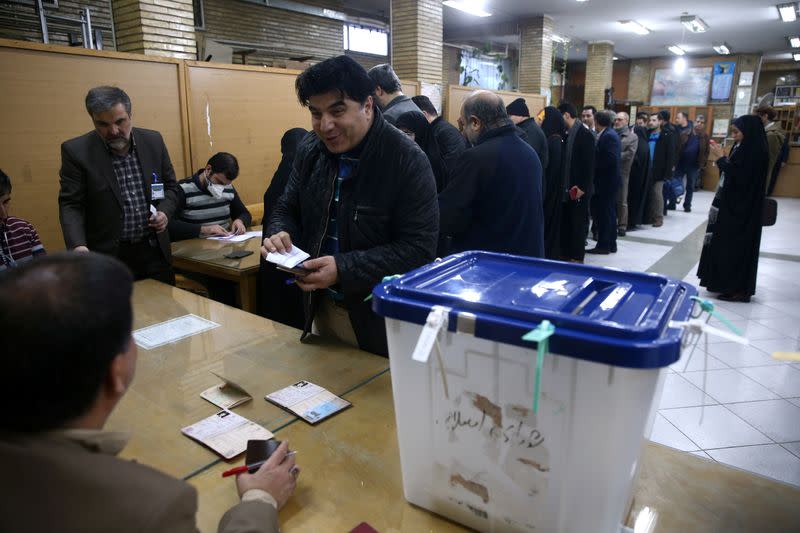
(599, 68)
(155, 27)
(416, 53)
(536, 55)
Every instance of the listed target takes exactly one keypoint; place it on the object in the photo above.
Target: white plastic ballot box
(472, 447)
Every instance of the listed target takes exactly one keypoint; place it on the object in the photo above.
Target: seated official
(19, 242)
(208, 203)
(68, 357)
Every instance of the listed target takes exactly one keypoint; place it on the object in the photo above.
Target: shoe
(613, 250)
(633, 228)
(658, 224)
(740, 297)
(621, 232)
(598, 251)
(671, 207)
(687, 209)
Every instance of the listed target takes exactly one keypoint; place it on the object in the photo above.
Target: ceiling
(746, 26)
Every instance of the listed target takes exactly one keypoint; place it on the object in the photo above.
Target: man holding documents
(361, 200)
(118, 189)
(208, 205)
(68, 356)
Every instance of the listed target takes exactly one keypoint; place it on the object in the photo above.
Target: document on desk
(171, 331)
(310, 402)
(226, 433)
(289, 259)
(237, 238)
(227, 394)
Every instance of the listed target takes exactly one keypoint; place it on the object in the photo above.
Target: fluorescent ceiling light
(794, 42)
(614, 58)
(694, 24)
(680, 65)
(796, 56)
(788, 12)
(635, 27)
(722, 49)
(559, 38)
(677, 50)
(472, 7)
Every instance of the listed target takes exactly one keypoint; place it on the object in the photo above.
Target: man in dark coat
(449, 140)
(389, 93)
(361, 199)
(663, 155)
(578, 178)
(520, 115)
(606, 183)
(494, 201)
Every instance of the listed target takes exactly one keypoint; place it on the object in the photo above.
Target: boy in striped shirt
(19, 242)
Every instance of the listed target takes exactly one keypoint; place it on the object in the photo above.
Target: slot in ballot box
(472, 446)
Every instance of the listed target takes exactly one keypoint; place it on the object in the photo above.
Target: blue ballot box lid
(601, 314)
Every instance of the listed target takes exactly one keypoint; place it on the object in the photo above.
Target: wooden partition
(42, 105)
(456, 95)
(244, 110)
(410, 88)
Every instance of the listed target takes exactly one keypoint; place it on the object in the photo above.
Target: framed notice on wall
(722, 83)
(687, 88)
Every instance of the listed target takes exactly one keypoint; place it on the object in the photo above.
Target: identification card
(158, 191)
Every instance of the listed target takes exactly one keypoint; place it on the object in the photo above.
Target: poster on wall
(722, 83)
(689, 87)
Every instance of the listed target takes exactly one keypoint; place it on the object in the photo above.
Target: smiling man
(112, 180)
(361, 199)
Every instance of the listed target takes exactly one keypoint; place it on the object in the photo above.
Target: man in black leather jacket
(361, 199)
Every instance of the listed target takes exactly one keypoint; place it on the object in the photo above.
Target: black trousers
(606, 216)
(574, 225)
(146, 262)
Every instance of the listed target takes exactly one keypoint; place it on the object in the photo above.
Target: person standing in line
(689, 157)
(449, 140)
(630, 143)
(729, 260)
(663, 152)
(554, 128)
(389, 93)
(520, 115)
(639, 182)
(776, 138)
(417, 127)
(606, 183)
(703, 141)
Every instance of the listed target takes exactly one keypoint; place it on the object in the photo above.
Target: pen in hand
(245, 468)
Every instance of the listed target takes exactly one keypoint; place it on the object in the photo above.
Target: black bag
(769, 213)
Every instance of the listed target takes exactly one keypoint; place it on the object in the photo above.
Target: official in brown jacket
(110, 178)
(68, 357)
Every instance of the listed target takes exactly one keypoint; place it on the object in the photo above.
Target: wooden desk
(351, 473)
(260, 355)
(207, 257)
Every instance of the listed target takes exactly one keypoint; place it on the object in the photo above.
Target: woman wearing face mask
(208, 203)
(729, 260)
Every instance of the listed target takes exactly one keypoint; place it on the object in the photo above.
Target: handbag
(673, 188)
(769, 213)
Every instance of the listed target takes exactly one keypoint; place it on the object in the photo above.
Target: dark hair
(569, 109)
(383, 76)
(643, 114)
(105, 97)
(593, 108)
(664, 115)
(225, 163)
(63, 320)
(769, 112)
(5, 183)
(342, 74)
(417, 123)
(488, 107)
(604, 118)
(684, 114)
(553, 123)
(424, 104)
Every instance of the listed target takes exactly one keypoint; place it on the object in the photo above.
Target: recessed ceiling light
(722, 49)
(794, 42)
(694, 24)
(635, 27)
(471, 7)
(796, 56)
(788, 12)
(677, 50)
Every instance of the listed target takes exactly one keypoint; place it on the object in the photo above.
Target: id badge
(157, 190)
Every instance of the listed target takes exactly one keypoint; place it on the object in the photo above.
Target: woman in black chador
(553, 187)
(729, 261)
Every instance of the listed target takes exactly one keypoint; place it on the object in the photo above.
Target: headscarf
(289, 143)
(553, 123)
(290, 140)
(416, 122)
(754, 136)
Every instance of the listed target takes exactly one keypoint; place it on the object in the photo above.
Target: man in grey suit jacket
(68, 355)
(112, 179)
(389, 93)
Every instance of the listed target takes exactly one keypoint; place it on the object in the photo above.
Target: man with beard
(118, 189)
(663, 153)
(630, 143)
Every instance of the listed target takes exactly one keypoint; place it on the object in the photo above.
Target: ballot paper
(171, 331)
(227, 394)
(310, 402)
(289, 259)
(226, 433)
(236, 238)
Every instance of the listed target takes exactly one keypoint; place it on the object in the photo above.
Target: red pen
(245, 468)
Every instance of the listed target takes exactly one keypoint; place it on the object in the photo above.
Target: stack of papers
(290, 259)
(171, 331)
(310, 402)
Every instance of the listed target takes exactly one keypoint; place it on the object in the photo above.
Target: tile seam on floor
(699, 448)
(751, 425)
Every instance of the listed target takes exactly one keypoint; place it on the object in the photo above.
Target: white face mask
(216, 190)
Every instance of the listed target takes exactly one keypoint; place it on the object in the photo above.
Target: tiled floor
(731, 403)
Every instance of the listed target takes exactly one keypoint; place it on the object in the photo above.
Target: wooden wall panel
(42, 105)
(458, 93)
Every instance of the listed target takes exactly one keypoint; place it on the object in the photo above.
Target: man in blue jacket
(494, 199)
(606, 183)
